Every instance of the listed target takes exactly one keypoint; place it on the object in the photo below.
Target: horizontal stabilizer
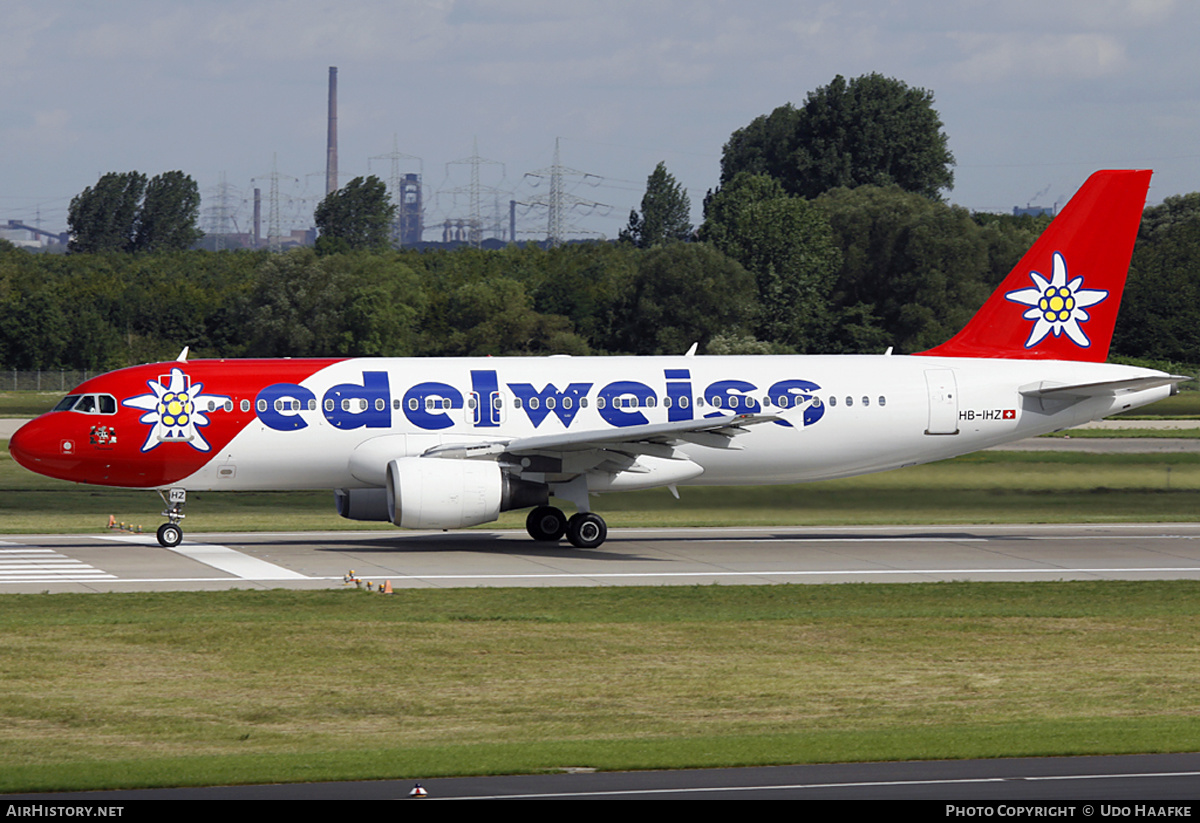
(1048, 388)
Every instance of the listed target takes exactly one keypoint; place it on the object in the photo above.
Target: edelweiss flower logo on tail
(1057, 305)
(175, 410)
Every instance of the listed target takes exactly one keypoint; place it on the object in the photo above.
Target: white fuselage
(847, 415)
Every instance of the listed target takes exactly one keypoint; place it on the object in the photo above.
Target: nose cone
(41, 448)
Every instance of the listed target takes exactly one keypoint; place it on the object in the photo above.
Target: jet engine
(432, 493)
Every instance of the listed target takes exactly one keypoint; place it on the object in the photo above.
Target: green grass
(27, 403)
(221, 687)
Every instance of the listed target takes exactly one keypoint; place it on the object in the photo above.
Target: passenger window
(882, 400)
(866, 400)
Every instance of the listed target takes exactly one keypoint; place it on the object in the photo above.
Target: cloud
(1001, 57)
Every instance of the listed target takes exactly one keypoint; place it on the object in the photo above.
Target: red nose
(43, 447)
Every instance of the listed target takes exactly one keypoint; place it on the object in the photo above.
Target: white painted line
(220, 557)
(960, 781)
(819, 538)
(1056, 570)
(30, 565)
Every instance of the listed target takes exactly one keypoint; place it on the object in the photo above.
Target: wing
(630, 457)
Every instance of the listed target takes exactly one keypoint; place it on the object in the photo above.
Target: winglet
(1061, 301)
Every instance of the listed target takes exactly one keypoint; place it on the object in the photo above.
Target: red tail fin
(1060, 302)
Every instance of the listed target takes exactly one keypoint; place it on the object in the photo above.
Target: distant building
(410, 216)
(31, 237)
(1033, 211)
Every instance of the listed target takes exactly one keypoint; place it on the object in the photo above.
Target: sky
(1034, 95)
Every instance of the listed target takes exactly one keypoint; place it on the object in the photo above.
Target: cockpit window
(88, 404)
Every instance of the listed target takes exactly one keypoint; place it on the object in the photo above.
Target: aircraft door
(943, 401)
(486, 411)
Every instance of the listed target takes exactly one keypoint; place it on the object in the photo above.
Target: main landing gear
(585, 530)
(170, 534)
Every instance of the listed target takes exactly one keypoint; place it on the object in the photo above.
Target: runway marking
(26, 564)
(1059, 570)
(845, 785)
(220, 557)
(819, 538)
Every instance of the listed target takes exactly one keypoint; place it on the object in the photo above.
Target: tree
(787, 244)
(665, 212)
(685, 293)
(167, 221)
(1160, 312)
(105, 217)
(358, 216)
(911, 267)
(113, 216)
(872, 130)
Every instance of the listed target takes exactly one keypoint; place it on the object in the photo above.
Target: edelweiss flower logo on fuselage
(1057, 305)
(175, 409)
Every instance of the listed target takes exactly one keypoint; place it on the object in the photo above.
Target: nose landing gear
(170, 534)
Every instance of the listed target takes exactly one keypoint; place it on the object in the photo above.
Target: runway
(655, 557)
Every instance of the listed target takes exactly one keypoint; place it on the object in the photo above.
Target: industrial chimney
(331, 171)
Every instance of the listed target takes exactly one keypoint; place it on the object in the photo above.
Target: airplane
(446, 443)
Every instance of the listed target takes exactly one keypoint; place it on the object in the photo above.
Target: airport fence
(49, 380)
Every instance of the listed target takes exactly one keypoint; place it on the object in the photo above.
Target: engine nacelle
(433, 493)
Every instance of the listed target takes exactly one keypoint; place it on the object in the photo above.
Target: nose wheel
(170, 534)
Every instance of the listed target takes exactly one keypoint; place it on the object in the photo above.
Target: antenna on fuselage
(182, 358)
(692, 351)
